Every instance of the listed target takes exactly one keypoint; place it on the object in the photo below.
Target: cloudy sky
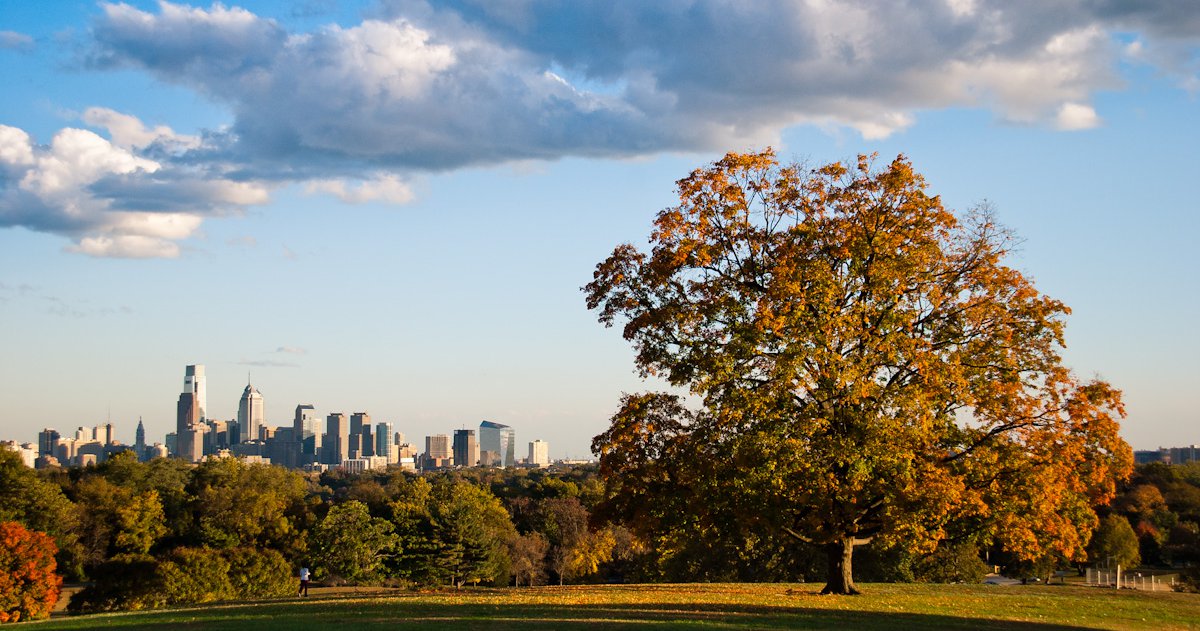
(390, 206)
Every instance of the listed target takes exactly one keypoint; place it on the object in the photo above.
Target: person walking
(303, 582)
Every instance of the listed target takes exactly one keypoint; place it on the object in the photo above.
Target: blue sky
(391, 206)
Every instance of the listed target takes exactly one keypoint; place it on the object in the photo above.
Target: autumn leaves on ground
(714, 606)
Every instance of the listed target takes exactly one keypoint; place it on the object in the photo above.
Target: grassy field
(706, 606)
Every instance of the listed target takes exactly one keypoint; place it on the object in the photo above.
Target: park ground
(698, 606)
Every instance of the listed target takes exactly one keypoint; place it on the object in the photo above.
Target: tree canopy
(862, 365)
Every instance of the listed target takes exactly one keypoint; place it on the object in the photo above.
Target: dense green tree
(350, 545)
(1114, 543)
(866, 365)
(234, 504)
(473, 532)
(116, 520)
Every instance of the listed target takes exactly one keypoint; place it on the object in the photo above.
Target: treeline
(1154, 521)
(164, 532)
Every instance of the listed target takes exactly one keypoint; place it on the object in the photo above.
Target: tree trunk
(840, 579)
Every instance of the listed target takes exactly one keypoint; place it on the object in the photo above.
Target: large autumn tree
(862, 365)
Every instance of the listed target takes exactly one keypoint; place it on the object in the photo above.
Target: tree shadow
(400, 613)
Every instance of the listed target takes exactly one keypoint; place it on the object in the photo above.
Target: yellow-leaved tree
(863, 365)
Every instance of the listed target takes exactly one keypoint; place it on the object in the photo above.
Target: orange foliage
(29, 586)
(865, 359)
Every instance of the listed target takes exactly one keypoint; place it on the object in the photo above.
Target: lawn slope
(706, 606)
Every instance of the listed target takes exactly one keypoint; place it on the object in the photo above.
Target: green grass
(704, 606)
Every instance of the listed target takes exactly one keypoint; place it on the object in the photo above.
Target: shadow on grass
(351, 612)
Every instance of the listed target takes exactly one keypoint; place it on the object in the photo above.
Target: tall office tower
(499, 439)
(437, 447)
(189, 439)
(384, 439)
(306, 423)
(539, 453)
(139, 441)
(336, 442)
(368, 441)
(466, 450)
(47, 441)
(360, 428)
(250, 413)
(193, 381)
(307, 428)
(103, 434)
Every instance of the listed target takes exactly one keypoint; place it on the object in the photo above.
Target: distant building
(189, 437)
(466, 450)
(251, 415)
(1168, 455)
(194, 382)
(139, 442)
(307, 429)
(48, 441)
(385, 444)
(499, 439)
(336, 442)
(438, 452)
(539, 453)
(27, 451)
(189, 416)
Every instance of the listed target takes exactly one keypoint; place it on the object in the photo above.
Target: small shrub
(259, 573)
(952, 563)
(195, 575)
(127, 581)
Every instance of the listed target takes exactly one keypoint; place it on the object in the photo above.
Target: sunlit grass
(705, 606)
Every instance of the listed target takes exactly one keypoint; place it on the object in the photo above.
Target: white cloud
(419, 87)
(1074, 116)
(129, 132)
(106, 195)
(16, 149)
(383, 188)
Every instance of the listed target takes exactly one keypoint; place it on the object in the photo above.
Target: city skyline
(391, 206)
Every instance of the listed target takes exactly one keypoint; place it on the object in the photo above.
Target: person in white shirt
(303, 582)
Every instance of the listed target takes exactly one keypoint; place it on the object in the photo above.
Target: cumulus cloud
(107, 195)
(357, 110)
(128, 132)
(1073, 116)
(419, 87)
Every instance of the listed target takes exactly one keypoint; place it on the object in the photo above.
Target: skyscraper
(307, 428)
(189, 439)
(361, 439)
(384, 440)
(539, 453)
(500, 440)
(336, 442)
(250, 413)
(139, 441)
(47, 441)
(194, 382)
(437, 447)
(466, 450)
